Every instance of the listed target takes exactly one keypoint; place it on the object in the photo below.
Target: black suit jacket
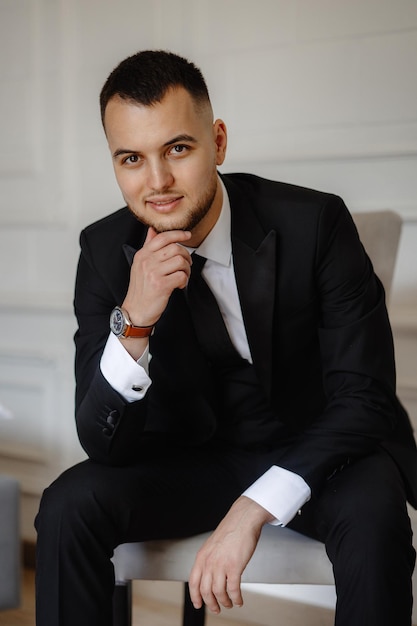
(317, 327)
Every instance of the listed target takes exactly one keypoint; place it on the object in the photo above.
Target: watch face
(117, 322)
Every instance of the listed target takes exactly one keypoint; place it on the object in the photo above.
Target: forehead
(176, 113)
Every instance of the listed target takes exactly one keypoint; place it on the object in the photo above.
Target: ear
(220, 139)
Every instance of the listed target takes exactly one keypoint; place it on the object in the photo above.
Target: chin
(163, 228)
(188, 222)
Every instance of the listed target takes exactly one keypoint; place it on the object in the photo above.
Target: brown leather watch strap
(138, 331)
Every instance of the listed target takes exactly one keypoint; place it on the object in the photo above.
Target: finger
(151, 234)
(167, 237)
(234, 590)
(207, 593)
(194, 588)
(211, 603)
(221, 593)
(174, 250)
(227, 590)
(179, 275)
(200, 586)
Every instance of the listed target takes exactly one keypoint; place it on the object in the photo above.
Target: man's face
(165, 158)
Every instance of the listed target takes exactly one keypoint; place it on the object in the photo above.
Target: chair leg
(192, 616)
(122, 604)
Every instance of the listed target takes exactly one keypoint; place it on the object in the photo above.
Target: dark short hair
(146, 76)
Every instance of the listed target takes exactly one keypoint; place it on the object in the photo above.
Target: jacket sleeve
(108, 427)
(357, 356)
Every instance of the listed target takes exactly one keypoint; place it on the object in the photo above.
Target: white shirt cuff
(127, 376)
(281, 492)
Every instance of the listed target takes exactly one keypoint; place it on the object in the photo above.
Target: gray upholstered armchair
(9, 543)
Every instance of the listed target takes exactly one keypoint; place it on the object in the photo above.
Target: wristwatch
(121, 325)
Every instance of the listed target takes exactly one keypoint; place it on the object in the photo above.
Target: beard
(190, 219)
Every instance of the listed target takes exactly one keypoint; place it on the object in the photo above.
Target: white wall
(322, 93)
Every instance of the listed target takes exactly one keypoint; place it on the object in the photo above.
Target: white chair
(282, 555)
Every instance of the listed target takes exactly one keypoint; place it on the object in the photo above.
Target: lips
(164, 204)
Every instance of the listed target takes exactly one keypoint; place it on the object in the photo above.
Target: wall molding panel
(321, 143)
(31, 121)
(31, 440)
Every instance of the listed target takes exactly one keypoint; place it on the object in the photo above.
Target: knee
(65, 502)
(371, 537)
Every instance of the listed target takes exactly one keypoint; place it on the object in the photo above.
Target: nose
(160, 176)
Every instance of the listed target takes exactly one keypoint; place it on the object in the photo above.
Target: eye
(179, 149)
(132, 158)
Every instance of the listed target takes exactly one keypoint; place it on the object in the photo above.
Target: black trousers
(360, 515)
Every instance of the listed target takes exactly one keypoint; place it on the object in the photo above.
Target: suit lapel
(255, 278)
(254, 258)
(129, 252)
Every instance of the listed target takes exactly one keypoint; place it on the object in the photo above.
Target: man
(190, 428)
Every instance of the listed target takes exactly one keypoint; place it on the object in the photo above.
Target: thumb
(151, 234)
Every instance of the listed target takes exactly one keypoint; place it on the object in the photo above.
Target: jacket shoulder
(121, 221)
(283, 205)
(275, 191)
(112, 231)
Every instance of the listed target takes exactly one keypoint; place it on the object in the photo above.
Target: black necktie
(207, 319)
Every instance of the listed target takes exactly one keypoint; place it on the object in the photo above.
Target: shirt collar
(217, 246)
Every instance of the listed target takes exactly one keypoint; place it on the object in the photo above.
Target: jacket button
(107, 432)
(113, 418)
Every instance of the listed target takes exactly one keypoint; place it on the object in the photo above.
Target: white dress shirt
(278, 490)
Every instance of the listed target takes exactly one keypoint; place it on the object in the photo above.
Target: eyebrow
(179, 138)
(170, 142)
